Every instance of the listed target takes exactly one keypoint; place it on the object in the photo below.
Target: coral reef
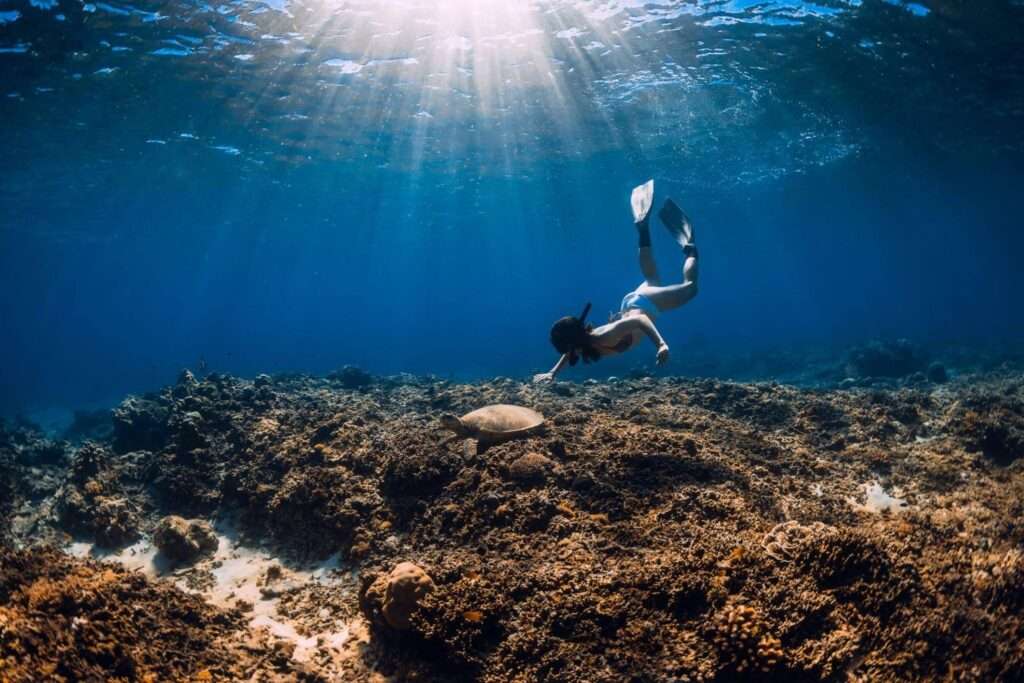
(139, 424)
(897, 358)
(992, 423)
(661, 529)
(351, 377)
(531, 468)
(182, 540)
(63, 619)
(32, 467)
(743, 645)
(90, 425)
(391, 600)
(92, 501)
(22, 442)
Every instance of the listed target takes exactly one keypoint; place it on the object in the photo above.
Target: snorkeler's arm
(652, 333)
(650, 330)
(643, 324)
(547, 376)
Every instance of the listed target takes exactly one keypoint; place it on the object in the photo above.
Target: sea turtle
(492, 425)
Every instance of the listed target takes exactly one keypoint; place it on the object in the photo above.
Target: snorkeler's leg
(647, 265)
(641, 200)
(674, 296)
(679, 225)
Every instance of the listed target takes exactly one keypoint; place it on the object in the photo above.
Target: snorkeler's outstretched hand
(543, 377)
(662, 354)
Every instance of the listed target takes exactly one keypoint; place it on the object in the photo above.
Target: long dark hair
(571, 336)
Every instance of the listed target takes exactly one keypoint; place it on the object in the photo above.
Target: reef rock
(351, 377)
(407, 584)
(92, 502)
(187, 428)
(885, 359)
(115, 522)
(992, 423)
(532, 467)
(90, 424)
(581, 577)
(76, 620)
(186, 385)
(111, 521)
(393, 598)
(742, 641)
(27, 445)
(139, 424)
(183, 540)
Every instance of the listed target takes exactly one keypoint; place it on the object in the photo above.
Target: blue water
(426, 186)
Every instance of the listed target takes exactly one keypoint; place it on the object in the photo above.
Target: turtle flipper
(471, 448)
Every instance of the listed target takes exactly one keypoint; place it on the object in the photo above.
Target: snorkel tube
(571, 337)
(583, 316)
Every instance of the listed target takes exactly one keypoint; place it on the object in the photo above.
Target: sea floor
(657, 530)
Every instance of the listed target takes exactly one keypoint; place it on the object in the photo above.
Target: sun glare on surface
(430, 66)
(493, 85)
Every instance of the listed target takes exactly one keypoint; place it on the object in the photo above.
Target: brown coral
(743, 641)
(65, 619)
(407, 584)
(183, 540)
(530, 468)
(784, 540)
(607, 568)
(390, 600)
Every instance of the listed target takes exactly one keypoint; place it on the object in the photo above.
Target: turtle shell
(501, 422)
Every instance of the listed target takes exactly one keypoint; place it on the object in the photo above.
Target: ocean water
(292, 186)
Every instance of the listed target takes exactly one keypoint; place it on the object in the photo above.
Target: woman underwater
(574, 338)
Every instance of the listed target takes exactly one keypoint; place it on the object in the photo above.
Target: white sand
(878, 500)
(239, 573)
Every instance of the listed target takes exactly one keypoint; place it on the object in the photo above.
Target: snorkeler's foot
(641, 201)
(677, 223)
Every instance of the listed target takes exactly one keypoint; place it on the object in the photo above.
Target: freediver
(574, 338)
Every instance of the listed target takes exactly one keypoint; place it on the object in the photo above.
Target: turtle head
(450, 422)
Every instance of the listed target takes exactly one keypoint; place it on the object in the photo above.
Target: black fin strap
(645, 236)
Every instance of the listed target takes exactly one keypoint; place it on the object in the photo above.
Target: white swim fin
(641, 200)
